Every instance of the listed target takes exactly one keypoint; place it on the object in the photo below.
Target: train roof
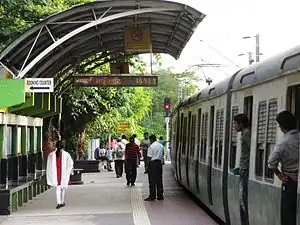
(269, 68)
(208, 92)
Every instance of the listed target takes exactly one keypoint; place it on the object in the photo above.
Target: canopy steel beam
(50, 48)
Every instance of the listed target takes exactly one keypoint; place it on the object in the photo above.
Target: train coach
(205, 147)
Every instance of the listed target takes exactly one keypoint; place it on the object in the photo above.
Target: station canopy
(68, 38)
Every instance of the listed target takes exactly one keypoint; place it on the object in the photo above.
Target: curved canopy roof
(85, 30)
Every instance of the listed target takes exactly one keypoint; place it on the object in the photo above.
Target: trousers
(60, 195)
(130, 171)
(155, 179)
(145, 160)
(289, 202)
(244, 177)
(119, 164)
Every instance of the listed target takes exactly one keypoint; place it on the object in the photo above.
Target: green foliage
(16, 16)
(167, 87)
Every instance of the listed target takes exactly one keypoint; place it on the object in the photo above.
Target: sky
(226, 22)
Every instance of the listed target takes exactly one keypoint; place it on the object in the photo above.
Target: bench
(16, 193)
(88, 166)
(76, 177)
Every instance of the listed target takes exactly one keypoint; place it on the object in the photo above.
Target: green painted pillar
(14, 141)
(39, 139)
(3, 158)
(31, 156)
(31, 148)
(23, 158)
(1, 140)
(14, 160)
(39, 154)
(23, 140)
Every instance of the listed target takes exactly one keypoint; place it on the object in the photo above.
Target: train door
(211, 139)
(198, 151)
(188, 148)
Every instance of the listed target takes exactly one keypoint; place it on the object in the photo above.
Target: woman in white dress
(59, 167)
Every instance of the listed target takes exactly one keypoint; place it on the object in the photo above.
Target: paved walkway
(106, 200)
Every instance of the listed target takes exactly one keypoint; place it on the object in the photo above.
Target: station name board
(116, 81)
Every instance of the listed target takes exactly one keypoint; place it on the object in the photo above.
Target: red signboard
(116, 81)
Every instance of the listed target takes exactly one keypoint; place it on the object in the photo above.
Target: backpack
(119, 152)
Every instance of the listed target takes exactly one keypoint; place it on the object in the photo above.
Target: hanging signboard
(137, 39)
(116, 81)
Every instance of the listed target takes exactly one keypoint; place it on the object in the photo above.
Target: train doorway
(293, 102)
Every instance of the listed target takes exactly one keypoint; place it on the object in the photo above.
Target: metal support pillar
(257, 47)
(167, 120)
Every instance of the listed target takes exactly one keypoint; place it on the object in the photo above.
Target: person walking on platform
(131, 154)
(59, 167)
(241, 124)
(145, 143)
(119, 158)
(137, 141)
(287, 153)
(155, 169)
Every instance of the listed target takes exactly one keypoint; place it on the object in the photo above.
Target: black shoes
(132, 185)
(149, 199)
(60, 205)
(160, 198)
(153, 199)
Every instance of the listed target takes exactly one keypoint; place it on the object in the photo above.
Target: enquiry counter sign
(39, 85)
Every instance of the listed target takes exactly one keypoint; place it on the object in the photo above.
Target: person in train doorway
(145, 143)
(287, 153)
(131, 154)
(119, 154)
(241, 124)
(59, 167)
(155, 169)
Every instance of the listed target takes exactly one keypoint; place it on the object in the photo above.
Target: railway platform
(105, 199)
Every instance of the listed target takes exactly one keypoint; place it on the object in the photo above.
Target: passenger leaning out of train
(287, 153)
(241, 124)
(155, 170)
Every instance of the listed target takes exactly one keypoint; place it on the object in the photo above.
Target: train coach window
(271, 135)
(232, 159)
(198, 133)
(261, 137)
(219, 129)
(217, 134)
(193, 136)
(184, 134)
(204, 136)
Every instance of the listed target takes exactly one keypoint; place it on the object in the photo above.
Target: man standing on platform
(287, 153)
(145, 143)
(155, 157)
(131, 154)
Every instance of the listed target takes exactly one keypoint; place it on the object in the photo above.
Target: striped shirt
(131, 151)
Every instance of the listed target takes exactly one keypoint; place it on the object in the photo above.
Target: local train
(205, 147)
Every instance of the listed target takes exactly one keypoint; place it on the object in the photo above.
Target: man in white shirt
(155, 157)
